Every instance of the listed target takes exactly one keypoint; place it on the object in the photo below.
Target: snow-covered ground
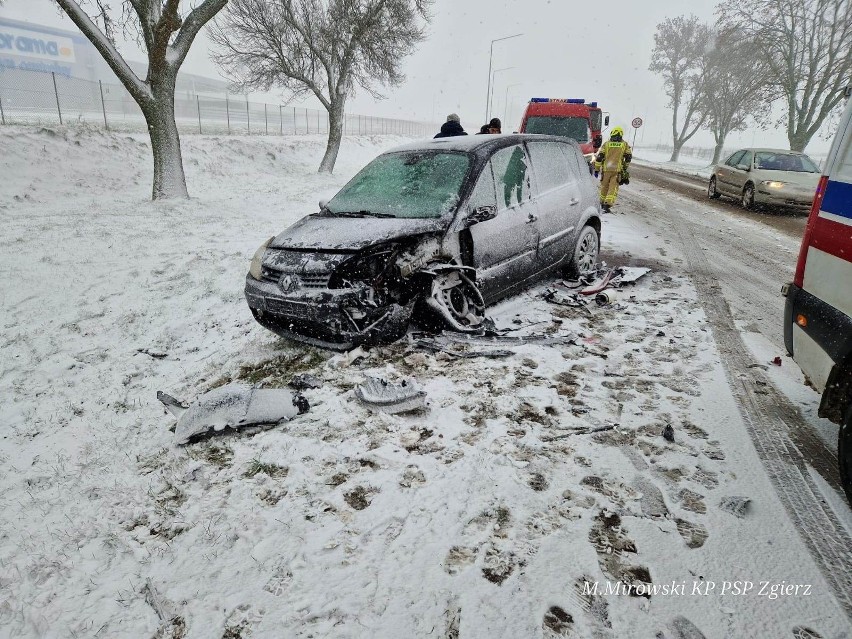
(528, 480)
(686, 164)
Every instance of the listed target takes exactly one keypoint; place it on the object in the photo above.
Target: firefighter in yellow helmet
(611, 162)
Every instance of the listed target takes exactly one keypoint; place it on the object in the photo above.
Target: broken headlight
(374, 267)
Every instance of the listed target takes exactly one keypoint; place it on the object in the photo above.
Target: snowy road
(529, 480)
(738, 266)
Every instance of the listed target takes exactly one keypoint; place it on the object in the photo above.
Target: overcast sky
(592, 50)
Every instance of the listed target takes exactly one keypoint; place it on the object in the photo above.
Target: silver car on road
(772, 177)
(433, 230)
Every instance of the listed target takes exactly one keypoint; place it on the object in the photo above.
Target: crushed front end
(335, 299)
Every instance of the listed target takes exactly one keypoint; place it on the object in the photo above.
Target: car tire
(712, 191)
(844, 454)
(747, 200)
(586, 252)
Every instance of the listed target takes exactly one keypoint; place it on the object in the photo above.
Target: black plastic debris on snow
(601, 285)
(380, 395)
(232, 407)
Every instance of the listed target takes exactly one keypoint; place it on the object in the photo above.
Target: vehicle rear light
(801, 320)
(799, 278)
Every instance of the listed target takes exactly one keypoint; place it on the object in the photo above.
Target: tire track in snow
(785, 443)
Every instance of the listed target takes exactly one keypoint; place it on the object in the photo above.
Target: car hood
(320, 232)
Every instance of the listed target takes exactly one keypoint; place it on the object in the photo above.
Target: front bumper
(798, 199)
(331, 318)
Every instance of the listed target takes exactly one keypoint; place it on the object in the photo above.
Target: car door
(558, 201)
(504, 248)
(725, 174)
(741, 172)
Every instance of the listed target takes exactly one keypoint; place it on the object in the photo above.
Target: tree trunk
(798, 141)
(169, 178)
(717, 151)
(675, 151)
(335, 135)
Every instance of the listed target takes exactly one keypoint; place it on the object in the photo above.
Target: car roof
(765, 150)
(472, 143)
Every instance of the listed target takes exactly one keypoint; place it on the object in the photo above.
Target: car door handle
(573, 201)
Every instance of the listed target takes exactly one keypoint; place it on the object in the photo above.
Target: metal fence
(34, 97)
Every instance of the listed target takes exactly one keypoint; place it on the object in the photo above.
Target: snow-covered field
(528, 480)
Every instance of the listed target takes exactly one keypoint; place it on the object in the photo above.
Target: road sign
(637, 122)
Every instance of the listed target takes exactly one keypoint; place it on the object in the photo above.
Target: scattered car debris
(233, 406)
(668, 433)
(150, 353)
(580, 431)
(607, 297)
(777, 361)
(379, 394)
(460, 352)
(304, 381)
(737, 506)
(497, 339)
(352, 356)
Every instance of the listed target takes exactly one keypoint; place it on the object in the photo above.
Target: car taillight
(799, 278)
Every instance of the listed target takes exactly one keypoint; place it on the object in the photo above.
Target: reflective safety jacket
(613, 156)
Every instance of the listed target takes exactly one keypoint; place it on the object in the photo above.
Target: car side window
(511, 176)
(747, 158)
(483, 193)
(575, 159)
(735, 158)
(552, 170)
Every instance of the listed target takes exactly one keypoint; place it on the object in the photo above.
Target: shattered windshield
(415, 184)
(576, 128)
(770, 161)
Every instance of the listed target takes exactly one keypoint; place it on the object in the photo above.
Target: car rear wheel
(844, 454)
(748, 197)
(712, 192)
(585, 258)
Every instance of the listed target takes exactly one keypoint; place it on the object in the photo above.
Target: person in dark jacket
(484, 129)
(451, 127)
(495, 126)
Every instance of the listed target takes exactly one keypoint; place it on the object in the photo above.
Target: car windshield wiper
(363, 213)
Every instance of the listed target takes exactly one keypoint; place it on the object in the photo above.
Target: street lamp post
(506, 100)
(490, 58)
(491, 95)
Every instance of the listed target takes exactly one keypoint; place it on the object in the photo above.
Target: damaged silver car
(429, 232)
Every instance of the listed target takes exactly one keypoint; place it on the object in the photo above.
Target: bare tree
(322, 47)
(807, 45)
(734, 87)
(679, 45)
(166, 30)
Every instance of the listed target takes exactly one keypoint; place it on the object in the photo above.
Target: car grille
(307, 280)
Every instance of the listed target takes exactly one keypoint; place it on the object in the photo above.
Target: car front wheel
(585, 258)
(712, 191)
(844, 454)
(748, 197)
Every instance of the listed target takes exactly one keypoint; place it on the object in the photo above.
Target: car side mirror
(597, 141)
(744, 167)
(481, 214)
(323, 204)
(606, 121)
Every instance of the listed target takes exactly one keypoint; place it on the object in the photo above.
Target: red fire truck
(571, 118)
